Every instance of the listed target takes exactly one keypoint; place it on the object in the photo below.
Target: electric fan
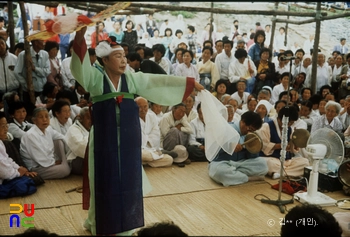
(325, 151)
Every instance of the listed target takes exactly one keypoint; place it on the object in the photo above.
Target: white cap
(103, 49)
(267, 88)
(267, 104)
(307, 56)
(183, 41)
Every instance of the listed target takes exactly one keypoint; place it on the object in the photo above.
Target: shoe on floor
(276, 176)
(187, 162)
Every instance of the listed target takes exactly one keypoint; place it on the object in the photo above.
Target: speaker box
(326, 182)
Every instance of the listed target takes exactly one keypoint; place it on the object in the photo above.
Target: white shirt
(8, 80)
(175, 42)
(77, 139)
(336, 71)
(345, 119)
(61, 128)
(109, 25)
(267, 39)
(241, 100)
(324, 76)
(155, 40)
(168, 122)
(222, 62)
(281, 70)
(308, 45)
(74, 111)
(46, 15)
(276, 92)
(237, 70)
(198, 132)
(299, 124)
(279, 41)
(150, 132)
(311, 118)
(164, 26)
(67, 77)
(159, 116)
(37, 148)
(17, 130)
(8, 168)
(322, 122)
(185, 71)
(192, 115)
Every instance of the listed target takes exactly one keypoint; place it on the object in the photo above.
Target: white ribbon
(218, 133)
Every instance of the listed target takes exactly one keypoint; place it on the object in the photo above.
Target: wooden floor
(186, 196)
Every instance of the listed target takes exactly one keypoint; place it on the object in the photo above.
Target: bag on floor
(290, 187)
(20, 186)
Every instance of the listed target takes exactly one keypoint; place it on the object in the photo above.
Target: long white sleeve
(8, 168)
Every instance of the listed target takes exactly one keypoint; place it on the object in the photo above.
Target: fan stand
(312, 196)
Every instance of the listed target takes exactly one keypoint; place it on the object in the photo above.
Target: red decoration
(84, 19)
(48, 24)
(120, 99)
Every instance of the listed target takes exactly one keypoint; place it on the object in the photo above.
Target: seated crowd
(52, 133)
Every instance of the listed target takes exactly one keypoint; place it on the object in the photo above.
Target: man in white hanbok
(151, 153)
(196, 144)
(77, 138)
(175, 129)
(242, 69)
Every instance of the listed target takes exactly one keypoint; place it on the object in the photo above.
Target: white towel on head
(218, 133)
(267, 105)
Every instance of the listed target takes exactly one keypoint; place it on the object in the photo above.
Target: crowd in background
(237, 67)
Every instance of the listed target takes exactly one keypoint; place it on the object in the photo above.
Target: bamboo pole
(224, 11)
(347, 14)
(97, 7)
(10, 27)
(273, 28)
(315, 50)
(286, 31)
(211, 22)
(28, 57)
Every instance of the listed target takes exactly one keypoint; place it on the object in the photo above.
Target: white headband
(103, 49)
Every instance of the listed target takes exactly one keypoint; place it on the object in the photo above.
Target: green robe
(161, 89)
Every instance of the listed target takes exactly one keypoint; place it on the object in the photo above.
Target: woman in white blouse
(38, 149)
(61, 120)
(55, 77)
(329, 119)
(186, 68)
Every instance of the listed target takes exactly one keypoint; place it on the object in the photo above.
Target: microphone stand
(280, 203)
